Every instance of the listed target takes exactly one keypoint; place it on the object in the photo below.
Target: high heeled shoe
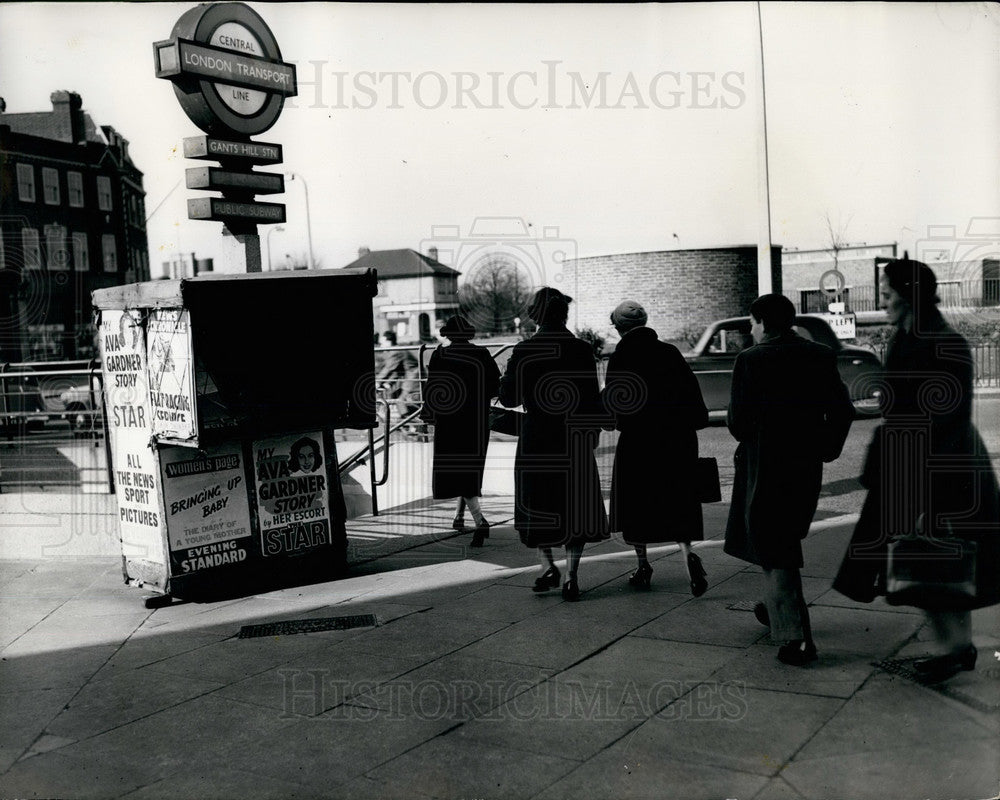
(458, 524)
(797, 653)
(547, 580)
(571, 590)
(640, 578)
(699, 582)
(939, 668)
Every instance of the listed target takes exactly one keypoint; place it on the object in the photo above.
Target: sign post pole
(251, 249)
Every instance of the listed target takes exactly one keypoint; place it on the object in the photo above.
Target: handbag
(707, 477)
(930, 571)
(505, 420)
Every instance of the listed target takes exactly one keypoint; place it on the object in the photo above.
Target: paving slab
(451, 767)
(335, 747)
(945, 769)
(624, 771)
(733, 727)
(224, 783)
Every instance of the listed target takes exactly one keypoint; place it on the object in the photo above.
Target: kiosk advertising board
(205, 500)
(292, 493)
(171, 374)
(126, 397)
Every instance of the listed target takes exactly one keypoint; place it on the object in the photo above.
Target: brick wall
(680, 289)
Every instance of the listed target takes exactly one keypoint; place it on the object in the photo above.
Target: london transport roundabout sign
(227, 73)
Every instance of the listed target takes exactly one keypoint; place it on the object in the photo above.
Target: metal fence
(985, 363)
(52, 427)
(978, 293)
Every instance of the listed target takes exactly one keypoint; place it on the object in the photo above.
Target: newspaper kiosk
(222, 395)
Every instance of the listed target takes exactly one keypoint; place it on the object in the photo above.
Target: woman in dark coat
(927, 413)
(657, 406)
(461, 379)
(557, 488)
(790, 413)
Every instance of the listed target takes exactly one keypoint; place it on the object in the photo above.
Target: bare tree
(496, 291)
(838, 238)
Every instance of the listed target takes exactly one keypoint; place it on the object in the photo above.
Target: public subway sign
(226, 69)
(222, 210)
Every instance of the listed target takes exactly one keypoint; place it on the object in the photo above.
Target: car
(81, 407)
(713, 357)
(21, 405)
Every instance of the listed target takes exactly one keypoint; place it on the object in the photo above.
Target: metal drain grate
(291, 626)
(903, 667)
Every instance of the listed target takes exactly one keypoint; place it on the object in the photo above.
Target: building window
(104, 193)
(81, 255)
(57, 255)
(110, 255)
(32, 252)
(25, 183)
(50, 186)
(74, 181)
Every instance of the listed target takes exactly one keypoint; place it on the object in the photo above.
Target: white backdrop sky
(884, 116)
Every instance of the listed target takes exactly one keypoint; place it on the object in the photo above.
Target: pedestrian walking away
(790, 413)
(927, 467)
(461, 380)
(557, 489)
(655, 402)
(399, 375)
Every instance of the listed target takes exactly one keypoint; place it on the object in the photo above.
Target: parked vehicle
(81, 407)
(21, 404)
(712, 360)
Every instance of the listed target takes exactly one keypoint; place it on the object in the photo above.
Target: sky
(596, 129)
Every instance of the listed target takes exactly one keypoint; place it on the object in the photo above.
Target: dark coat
(656, 403)
(927, 457)
(557, 488)
(461, 379)
(790, 412)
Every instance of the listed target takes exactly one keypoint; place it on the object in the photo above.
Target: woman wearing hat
(556, 484)
(926, 460)
(657, 406)
(461, 380)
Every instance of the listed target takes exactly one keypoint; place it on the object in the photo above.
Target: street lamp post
(292, 176)
(270, 266)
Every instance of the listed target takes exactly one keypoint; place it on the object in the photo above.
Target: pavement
(433, 671)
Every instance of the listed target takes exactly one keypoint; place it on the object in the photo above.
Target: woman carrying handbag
(929, 478)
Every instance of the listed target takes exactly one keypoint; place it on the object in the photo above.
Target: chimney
(67, 116)
(363, 251)
(432, 252)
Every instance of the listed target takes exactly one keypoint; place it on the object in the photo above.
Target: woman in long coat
(927, 458)
(657, 406)
(557, 488)
(461, 379)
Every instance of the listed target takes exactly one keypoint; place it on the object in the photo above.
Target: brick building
(802, 269)
(72, 219)
(416, 292)
(682, 290)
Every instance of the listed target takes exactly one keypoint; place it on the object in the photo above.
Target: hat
(628, 314)
(913, 280)
(458, 327)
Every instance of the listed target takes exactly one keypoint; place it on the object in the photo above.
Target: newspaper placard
(206, 504)
(292, 493)
(126, 396)
(171, 374)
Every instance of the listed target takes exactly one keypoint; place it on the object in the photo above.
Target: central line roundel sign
(226, 69)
